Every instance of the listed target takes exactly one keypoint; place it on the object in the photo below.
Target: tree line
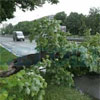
(76, 24)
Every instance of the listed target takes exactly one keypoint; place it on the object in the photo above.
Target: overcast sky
(80, 6)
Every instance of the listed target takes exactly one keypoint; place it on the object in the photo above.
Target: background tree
(8, 29)
(61, 16)
(75, 23)
(8, 7)
(93, 20)
(24, 27)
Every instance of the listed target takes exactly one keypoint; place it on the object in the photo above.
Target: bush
(25, 85)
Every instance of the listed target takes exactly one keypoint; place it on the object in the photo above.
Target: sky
(80, 6)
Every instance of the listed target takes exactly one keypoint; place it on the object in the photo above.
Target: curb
(7, 49)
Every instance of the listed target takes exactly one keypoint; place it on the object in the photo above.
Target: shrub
(25, 85)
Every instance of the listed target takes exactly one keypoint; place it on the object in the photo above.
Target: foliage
(24, 27)
(25, 85)
(78, 60)
(87, 33)
(84, 60)
(92, 43)
(5, 57)
(8, 7)
(75, 23)
(54, 92)
(61, 16)
(48, 36)
(92, 40)
(56, 72)
(8, 29)
(21, 26)
(72, 58)
(93, 20)
(50, 39)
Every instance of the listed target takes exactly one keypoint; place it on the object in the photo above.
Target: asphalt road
(18, 48)
(89, 84)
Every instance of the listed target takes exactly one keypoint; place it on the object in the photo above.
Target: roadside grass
(5, 58)
(53, 92)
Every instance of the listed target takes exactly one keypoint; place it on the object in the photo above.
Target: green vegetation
(5, 57)
(6, 12)
(76, 24)
(69, 59)
(48, 35)
(62, 17)
(25, 85)
(28, 84)
(54, 92)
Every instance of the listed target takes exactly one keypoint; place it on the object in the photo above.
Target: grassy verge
(5, 58)
(64, 93)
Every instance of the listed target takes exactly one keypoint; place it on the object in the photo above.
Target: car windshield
(19, 33)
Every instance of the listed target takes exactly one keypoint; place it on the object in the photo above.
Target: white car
(18, 36)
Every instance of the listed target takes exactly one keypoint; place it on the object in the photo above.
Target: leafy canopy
(28, 84)
(8, 7)
(93, 20)
(61, 16)
(48, 36)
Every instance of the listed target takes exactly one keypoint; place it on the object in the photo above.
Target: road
(89, 84)
(18, 48)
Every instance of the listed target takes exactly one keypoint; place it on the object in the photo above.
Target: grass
(5, 58)
(64, 93)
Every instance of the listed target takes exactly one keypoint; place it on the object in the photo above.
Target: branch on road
(29, 60)
(25, 61)
(18, 63)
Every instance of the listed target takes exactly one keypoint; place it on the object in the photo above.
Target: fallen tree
(28, 60)
(25, 61)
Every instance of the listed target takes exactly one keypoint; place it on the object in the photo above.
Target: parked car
(18, 36)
